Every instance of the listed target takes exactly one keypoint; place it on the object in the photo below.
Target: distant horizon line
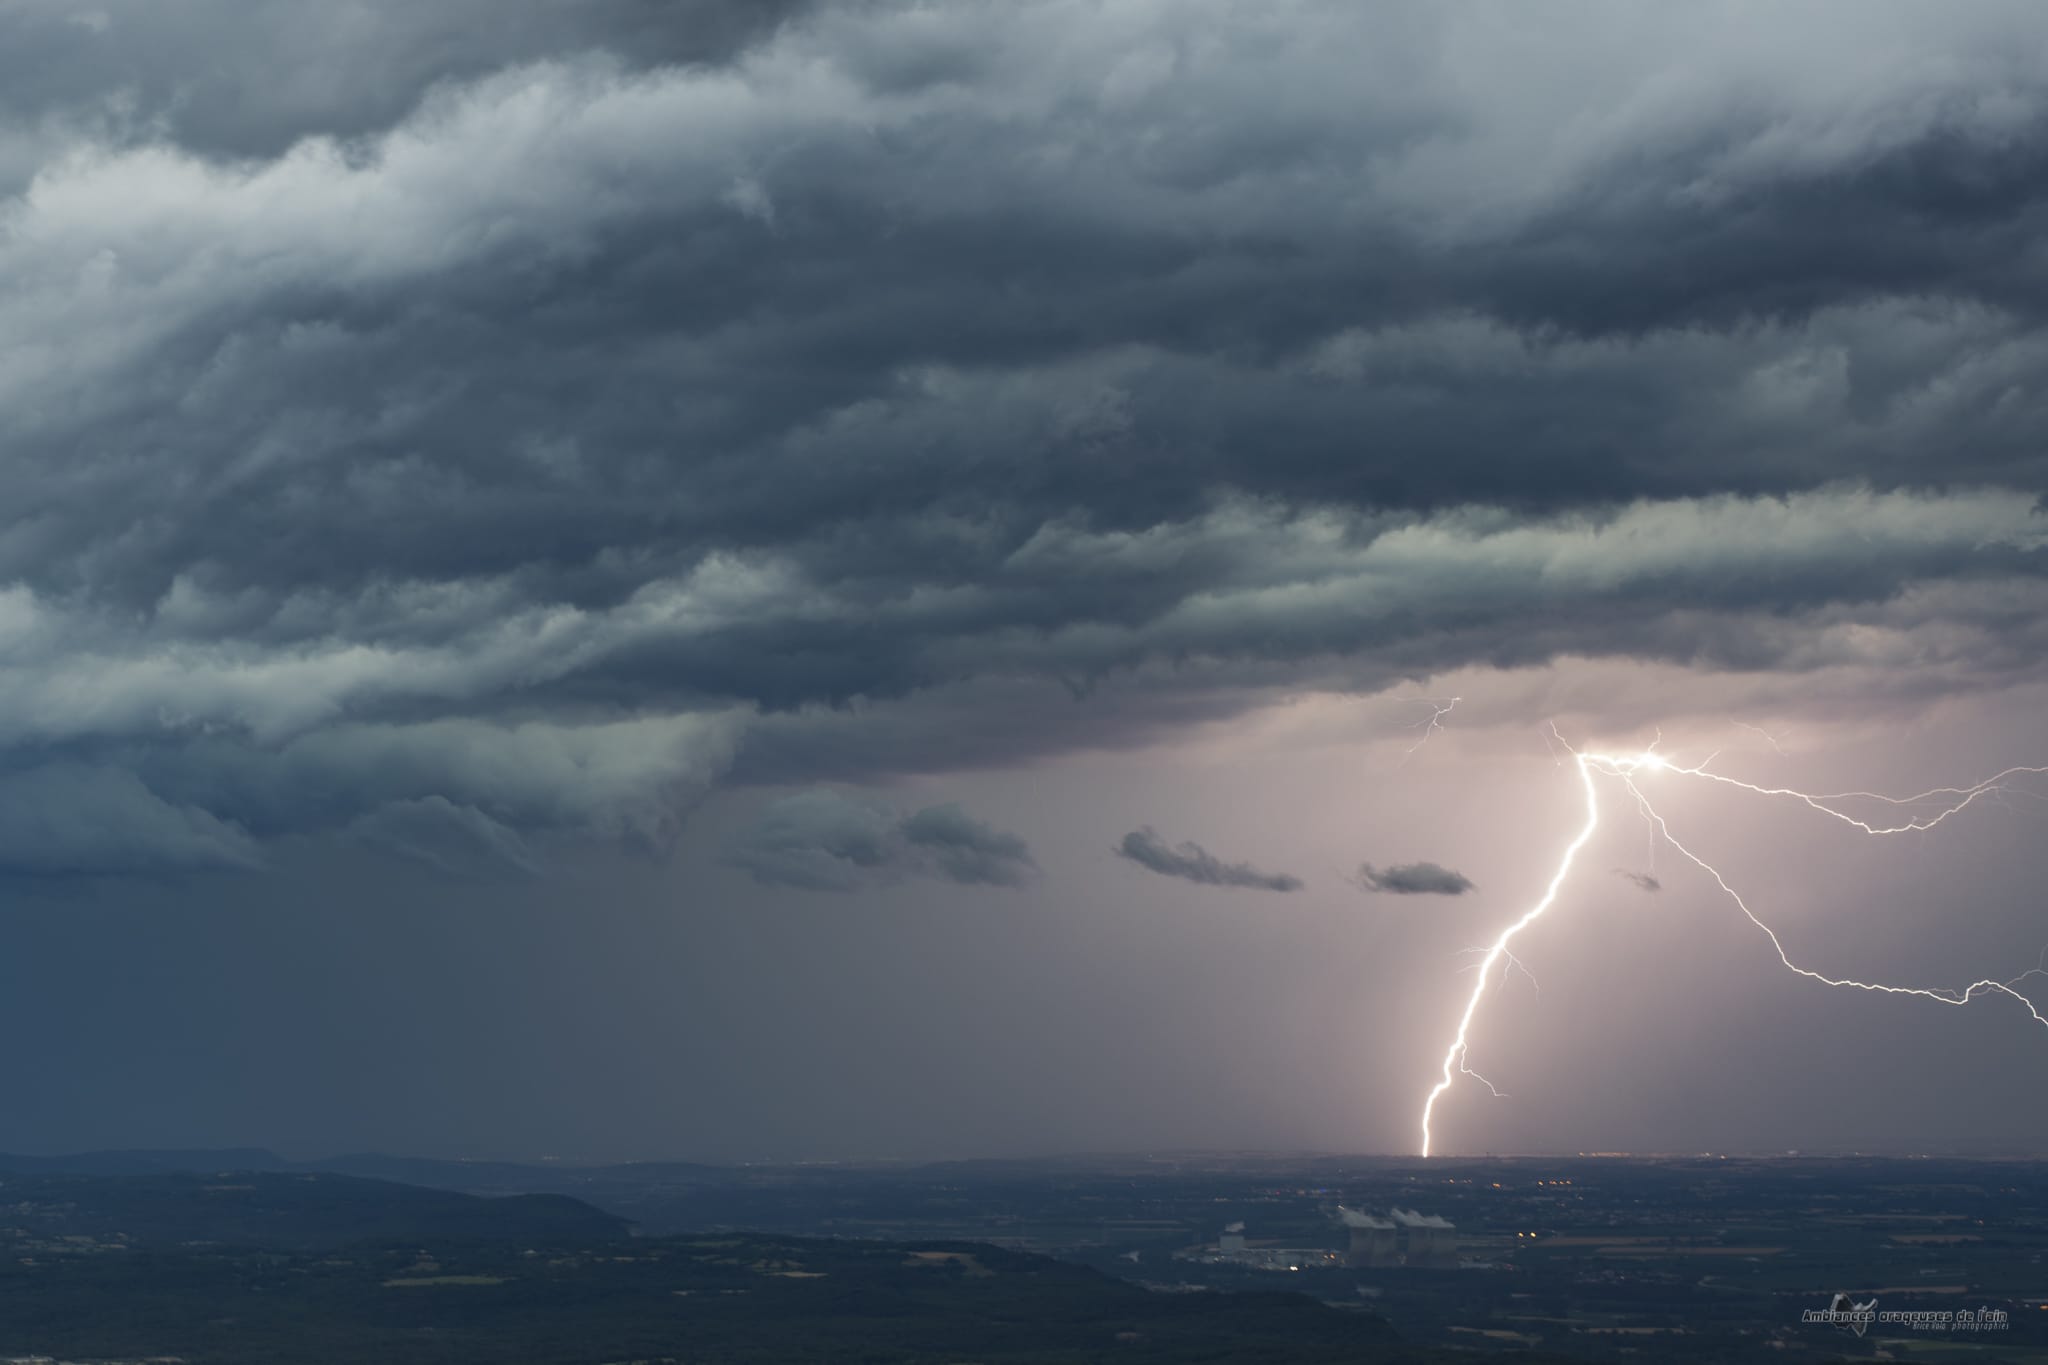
(1104, 1155)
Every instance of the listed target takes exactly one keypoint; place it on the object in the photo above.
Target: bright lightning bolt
(1454, 1056)
(1626, 767)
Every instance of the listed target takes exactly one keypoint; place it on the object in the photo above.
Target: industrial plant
(1405, 1237)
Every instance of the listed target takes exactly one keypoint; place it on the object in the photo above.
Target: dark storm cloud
(1413, 879)
(1191, 862)
(243, 78)
(823, 841)
(481, 381)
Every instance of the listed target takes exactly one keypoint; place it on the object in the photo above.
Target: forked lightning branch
(1631, 770)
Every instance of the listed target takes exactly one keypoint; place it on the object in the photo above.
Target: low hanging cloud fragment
(1643, 880)
(821, 840)
(1413, 879)
(453, 839)
(66, 819)
(1191, 862)
(964, 850)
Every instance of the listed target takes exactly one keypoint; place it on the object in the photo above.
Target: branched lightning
(1523, 968)
(1769, 738)
(1439, 707)
(1514, 962)
(1916, 815)
(1491, 1088)
(1968, 795)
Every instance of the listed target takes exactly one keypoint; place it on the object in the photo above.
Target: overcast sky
(742, 580)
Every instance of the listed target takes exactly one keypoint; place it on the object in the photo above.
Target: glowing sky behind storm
(824, 579)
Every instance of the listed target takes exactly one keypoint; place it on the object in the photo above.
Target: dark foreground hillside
(299, 1212)
(268, 1270)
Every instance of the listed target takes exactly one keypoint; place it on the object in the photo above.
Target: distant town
(1709, 1258)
